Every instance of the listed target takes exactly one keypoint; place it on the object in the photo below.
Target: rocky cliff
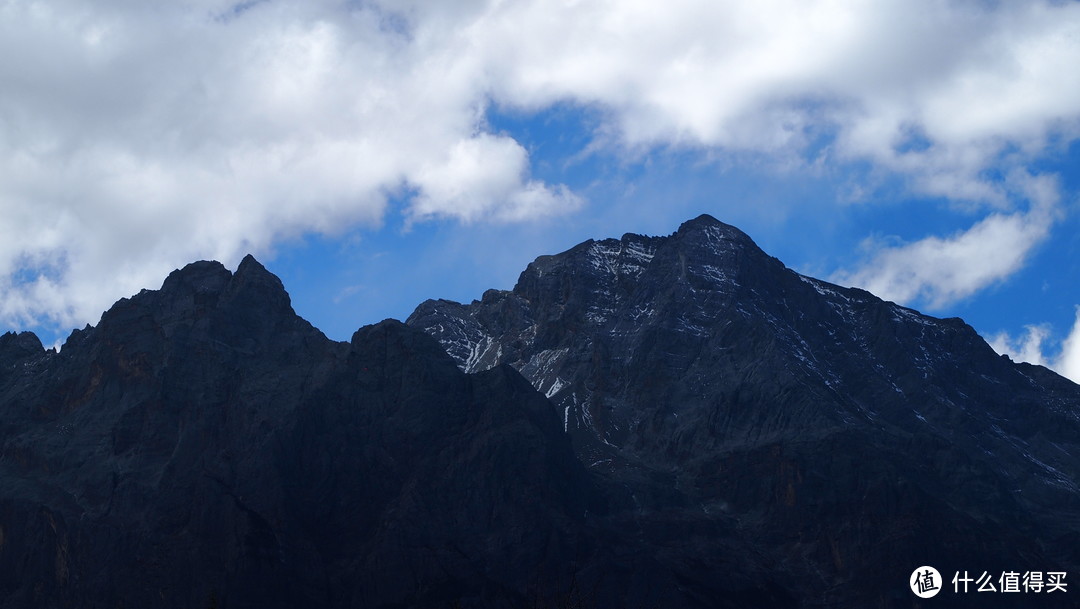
(205, 447)
(847, 439)
(672, 421)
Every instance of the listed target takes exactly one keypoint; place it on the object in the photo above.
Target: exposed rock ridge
(701, 369)
(203, 446)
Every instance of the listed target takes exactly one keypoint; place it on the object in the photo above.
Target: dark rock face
(647, 422)
(846, 440)
(204, 446)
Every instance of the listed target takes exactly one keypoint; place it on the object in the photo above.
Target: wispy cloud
(1027, 348)
(134, 138)
(1032, 347)
(938, 271)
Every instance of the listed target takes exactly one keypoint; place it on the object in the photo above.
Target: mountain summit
(203, 446)
(845, 437)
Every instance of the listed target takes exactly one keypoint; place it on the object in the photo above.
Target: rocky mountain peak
(706, 223)
(707, 237)
(17, 349)
(201, 276)
(18, 345)
(676, 421)
(211, 277)
(202, 302)
(202, 446)
(701, 363)
(252, 276)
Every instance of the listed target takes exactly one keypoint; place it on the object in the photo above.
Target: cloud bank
(136, 137)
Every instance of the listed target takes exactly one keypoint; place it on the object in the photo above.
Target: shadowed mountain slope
(204, 446)
(670, 421)
(848, 439)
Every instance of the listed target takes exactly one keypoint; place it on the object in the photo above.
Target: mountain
(203, 446)
(646, 422)
(848, 440)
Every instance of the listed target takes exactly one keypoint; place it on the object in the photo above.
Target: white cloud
(1032, 348)
(135, 137)
(481, 177)
(1067, 363)
(939, 271)
(754, 75)
(1028, 348)
(937, 91)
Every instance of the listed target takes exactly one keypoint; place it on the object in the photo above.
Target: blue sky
(339, 283)
(375, 154)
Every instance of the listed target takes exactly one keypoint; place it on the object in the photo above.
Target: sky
(374, 154)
